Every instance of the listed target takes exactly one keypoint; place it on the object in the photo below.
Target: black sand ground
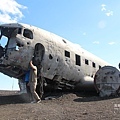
(65, 106)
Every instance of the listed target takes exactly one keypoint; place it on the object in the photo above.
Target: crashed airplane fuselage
(64, 64)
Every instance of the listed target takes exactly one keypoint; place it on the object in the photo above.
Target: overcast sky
(93, 24)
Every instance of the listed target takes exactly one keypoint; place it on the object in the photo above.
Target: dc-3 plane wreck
(65, 65)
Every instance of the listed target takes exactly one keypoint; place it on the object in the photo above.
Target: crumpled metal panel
(19, 58)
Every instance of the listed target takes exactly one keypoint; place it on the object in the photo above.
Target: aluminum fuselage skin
(63, 62)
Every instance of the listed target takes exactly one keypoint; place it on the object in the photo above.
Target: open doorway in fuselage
(38, 57)
(38, 53)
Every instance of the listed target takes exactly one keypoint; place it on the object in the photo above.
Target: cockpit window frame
(28, 34)
(19, 30)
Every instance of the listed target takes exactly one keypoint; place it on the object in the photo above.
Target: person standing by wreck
(33, 83)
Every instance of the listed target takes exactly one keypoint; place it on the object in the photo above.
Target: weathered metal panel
(107, 81)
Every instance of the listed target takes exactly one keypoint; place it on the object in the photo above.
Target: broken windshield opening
(8, 37)
(3, 41)
(12, 43)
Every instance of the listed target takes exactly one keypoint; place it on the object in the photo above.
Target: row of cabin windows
(78, 59)
(87, 63)
(29, 34)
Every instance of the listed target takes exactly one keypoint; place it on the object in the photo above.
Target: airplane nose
(1, 51)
